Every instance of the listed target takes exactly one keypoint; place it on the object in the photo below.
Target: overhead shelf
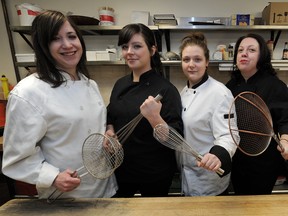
(222, 27)
(25, 32)
(85, 29)
(96, 29)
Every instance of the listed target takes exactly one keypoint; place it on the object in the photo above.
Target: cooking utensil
(169, 137)
(102, 154)
(254, 124)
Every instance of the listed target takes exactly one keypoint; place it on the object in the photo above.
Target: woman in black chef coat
(148, 166)
(254, 72)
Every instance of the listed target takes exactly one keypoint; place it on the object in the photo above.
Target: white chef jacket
(205, 126)
(44, 132)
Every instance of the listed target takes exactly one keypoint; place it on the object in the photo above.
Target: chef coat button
(81, 108)
(194, 92)
(184, 109)
(99, 103)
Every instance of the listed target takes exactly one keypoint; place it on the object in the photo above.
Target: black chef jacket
(262, 171)
(145, 159)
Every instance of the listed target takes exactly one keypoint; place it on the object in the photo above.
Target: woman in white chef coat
(206, 103)
(205, 107)
(51, 112)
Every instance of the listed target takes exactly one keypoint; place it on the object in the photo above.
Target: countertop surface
(183, 206)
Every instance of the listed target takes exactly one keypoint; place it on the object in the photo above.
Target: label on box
(243, 19)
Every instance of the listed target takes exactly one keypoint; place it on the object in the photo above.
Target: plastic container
(106, 16)
(27, 13)
(5, 86)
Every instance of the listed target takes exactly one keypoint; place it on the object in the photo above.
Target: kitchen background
(106, 75)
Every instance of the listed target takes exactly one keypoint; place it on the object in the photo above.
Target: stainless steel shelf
(86, 29)
(25, 31)
(89, 63)
(223, 27)
(94, 29)
(275, 63)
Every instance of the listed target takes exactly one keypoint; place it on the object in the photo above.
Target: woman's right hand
(67, 181)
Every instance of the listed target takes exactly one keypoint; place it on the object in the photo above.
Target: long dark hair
(45, 27)
(128, 31)
(263, 65)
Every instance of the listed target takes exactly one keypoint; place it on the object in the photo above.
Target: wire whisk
(169, 137)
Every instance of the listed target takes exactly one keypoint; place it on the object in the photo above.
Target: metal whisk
(169, 137)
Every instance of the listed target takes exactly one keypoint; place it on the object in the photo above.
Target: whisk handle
(278, 142)
(219, 171)
(158, 97)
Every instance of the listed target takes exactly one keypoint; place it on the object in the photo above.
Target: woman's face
(247, 57)
(194, 63)
(137, 55)
(66, 49)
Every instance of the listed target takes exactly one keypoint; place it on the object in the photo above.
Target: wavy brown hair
(45, 27)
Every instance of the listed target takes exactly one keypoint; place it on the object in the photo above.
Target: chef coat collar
(144, 76)
(251, 79)
(67, 76)
(203, 80)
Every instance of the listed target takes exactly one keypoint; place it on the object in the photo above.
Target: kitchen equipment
(254, 124)
(84, 20)
(102, 154)
(27, 13)
(106, 16)
(205, 23)
(169, 137)
(98, 161)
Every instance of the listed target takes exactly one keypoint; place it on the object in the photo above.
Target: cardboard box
(242, 19)
(276, 13)
(91, 55)
(27, 57)
(105, 56)
(140, 17)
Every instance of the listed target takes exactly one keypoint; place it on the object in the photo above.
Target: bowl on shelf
(84, 20)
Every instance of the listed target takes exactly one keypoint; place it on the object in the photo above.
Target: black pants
(151, 189)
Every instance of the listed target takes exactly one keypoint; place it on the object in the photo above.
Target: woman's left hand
(284, 143)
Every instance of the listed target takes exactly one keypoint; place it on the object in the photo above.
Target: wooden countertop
(170, 206)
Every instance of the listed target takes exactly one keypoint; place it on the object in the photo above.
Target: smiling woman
(51, 112)
(66, 50)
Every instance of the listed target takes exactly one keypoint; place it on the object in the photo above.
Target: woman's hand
(109, 133)
(67, 181)
(210, 162)
(150, 109)
(284, 143)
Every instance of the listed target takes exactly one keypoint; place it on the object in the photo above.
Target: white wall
(6, 64)
(123, 9)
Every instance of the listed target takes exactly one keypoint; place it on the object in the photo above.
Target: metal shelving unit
(160, 31)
